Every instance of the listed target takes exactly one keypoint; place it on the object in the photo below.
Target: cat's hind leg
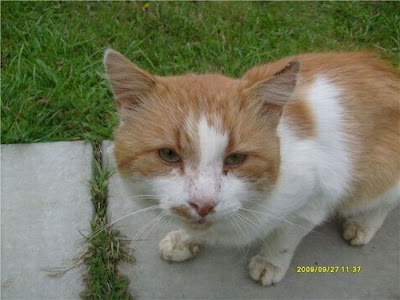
(360, 228)
(178, 246)
(361, 223)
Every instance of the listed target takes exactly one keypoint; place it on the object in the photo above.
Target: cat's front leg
(178, 246)
(270, 265)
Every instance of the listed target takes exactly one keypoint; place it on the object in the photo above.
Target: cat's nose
(202, 209)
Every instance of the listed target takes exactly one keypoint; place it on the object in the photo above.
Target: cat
(281, 149)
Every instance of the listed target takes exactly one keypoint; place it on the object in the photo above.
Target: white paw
(355, 234)
(177, 246)
(264, 272)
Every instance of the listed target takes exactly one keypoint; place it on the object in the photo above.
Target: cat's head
(206, 144)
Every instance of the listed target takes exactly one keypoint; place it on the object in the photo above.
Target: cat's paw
(355, 234)
(177, 246)
(264, 272)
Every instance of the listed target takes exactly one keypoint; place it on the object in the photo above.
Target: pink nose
(202, 209)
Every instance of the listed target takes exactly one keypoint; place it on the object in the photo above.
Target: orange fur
(301, 118)
(181, 210)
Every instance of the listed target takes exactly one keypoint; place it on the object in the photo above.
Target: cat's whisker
(256, 216)
(244, 222)
(257, 227)
(257, 201)
(155, 224)
(240, 230)
(145, 197)
(122, 218)
(271, 215)
(249, 221)
(263, 236)
(236, 226)
(250, 226)
(150, 227)
(145, 226)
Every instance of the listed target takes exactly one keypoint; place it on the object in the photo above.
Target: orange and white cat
(274, 153)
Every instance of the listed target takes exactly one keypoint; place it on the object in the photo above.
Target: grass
(52, 51)
(51, 61)
(106, 247)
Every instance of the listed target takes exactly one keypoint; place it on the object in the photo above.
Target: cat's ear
(277, 91)
(129, 83)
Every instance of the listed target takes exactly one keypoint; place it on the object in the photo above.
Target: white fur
(178, 246)
(213, 143)
(204, 180)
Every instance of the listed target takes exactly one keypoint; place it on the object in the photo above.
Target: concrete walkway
(221, 273)
(45, 203)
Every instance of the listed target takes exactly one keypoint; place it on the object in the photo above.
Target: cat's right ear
(129, 83)
(273, 93)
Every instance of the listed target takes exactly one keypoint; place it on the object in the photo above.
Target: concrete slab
(221, 273)
(45, 203)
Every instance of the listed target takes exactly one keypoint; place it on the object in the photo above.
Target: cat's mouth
(201, 221)
(200, 224)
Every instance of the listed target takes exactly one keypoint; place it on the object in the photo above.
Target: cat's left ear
(277, 91)
(129, 83)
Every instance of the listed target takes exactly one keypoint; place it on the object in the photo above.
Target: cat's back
(357, 73)
(351, 102)
(333, 64)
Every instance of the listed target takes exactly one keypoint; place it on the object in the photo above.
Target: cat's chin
(217, 232)
(197, 224)
(200, 226)
(216, 229)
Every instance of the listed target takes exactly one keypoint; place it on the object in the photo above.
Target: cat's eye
(234, 159)
(169, 155)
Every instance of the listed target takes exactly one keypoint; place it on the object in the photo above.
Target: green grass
(106, 247)
(52, 51)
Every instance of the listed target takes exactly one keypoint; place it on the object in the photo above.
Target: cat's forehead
(200, 80)
(200, 88)
(194, 99)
